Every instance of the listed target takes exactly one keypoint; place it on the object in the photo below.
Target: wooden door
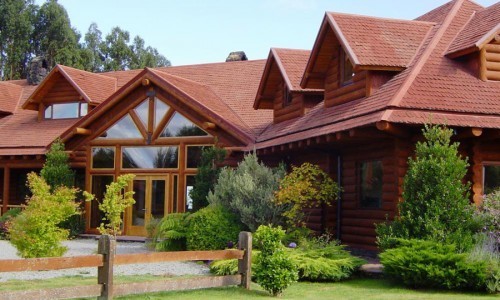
(150, 202)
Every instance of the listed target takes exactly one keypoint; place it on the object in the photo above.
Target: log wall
(490, 61)
(293, 110)
(61, 91)
(336, 94)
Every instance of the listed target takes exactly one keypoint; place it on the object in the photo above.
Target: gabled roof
(9, 96)
(282, 64)
(93, 88)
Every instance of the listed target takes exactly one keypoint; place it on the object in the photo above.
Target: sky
(195, 31)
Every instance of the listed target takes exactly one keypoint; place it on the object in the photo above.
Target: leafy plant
(489, 214)
(5, 221)
(206, 177)
(431, 264)
(170, 233)
(56, 170)
(436, 201)
(35, 232)
(248, 192)
(116, 200)
(275, 270)
(211, 228)
(306, 186)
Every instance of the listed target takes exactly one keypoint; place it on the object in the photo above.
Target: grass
(351, 289)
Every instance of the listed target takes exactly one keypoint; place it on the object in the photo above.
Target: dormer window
(70, 110)
(346, 69)
(287, 96)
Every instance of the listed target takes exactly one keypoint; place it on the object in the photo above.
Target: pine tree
(56, 170)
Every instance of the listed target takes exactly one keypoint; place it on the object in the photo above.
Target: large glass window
(160, 110)
(189, 187)
(193, 156)
(142, 110)
(152, 157)
(123, 129)
(491, 178)
(181, 126)
(103, 157)
(66, 110)
(370, 174)
(99, 183)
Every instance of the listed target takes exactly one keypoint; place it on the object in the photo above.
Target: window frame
(359, 183)
(186, 154)
(344, 58)
(92, 158)
(287, 96)
(484, 165)
(51, 107)
(122, 147)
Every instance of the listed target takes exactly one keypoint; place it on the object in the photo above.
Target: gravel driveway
(89, 246)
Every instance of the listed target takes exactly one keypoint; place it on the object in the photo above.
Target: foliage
(297, 235)
(436, 202)
(5, 221)
(306, 186)
(431, 264)
(487, 250)
(248, 191)
(115, 201)
(489, 214)
(170, 233)
(275, 270)
(206, 177)
(56, 170)
(211, 228)
(35, 232)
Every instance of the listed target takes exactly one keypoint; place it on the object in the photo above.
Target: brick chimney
(236, 56)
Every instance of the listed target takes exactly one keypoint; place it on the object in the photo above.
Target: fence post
(107, 246)
(245, 264)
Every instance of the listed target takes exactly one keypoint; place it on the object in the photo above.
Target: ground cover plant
(169, 233)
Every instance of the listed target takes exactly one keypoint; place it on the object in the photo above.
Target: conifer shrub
(432, 264)
(170, 233)
(274, 270)
(206, 176)
(211, 228)
(435, 202)
(306, 186)
(248, 192)
(35, 232)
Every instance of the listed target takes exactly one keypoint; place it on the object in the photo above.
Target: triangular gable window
(180, 126)
(142, 110)
(123, 129)
(161, 110)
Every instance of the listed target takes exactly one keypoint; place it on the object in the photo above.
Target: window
(287, 96)
(346, 69)
(193, 156)
(491, 178)
(150, 157)
(370, 175)
(103, 158)
(123, 129)
(181, 126)
(99, 183)
(66, 110)
(174, 192)
(189, 187)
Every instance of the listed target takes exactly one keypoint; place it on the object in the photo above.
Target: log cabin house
(355, 104)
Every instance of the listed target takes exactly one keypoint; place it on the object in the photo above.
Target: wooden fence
(106, 259)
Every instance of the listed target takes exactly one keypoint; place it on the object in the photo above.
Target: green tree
(116, 51)
(15, 32)
(92, 55)
(436, 202)
(206, 177)
(56, 170)
(146, 57)
(35, 232)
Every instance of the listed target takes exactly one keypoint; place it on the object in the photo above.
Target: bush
(489, 214)
(211, 228)
(275, 270)
(35, 232)
(436, 203)
(170, 233)
(5, 221)
(248, 191)
(306, 186)
(56, 170)
(206, 177)
(430, 264)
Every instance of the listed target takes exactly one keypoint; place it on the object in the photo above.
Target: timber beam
(82, 131)
(469, 133)
(392, 129)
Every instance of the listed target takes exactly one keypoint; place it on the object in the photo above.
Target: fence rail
(106, 259)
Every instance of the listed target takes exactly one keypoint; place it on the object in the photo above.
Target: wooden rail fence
(106, 259)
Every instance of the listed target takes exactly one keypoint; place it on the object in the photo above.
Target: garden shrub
(274, 270)
(306, 186)
(489, 213)
(211, 228)
(5, 221)
(35, 232)
(435, 202)
(115, 201)
(431, 264)
(248, 191)
(170, 233)
(207, 173)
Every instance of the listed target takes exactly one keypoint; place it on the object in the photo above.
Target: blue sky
(192, 32)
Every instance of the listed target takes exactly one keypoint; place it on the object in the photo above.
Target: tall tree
(93, 57)
(54, 38)
(15, 32)
(116, 50)
(146, 57)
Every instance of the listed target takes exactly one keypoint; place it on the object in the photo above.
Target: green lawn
(353, 289)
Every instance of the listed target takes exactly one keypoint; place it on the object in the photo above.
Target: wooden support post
(6, 187)
(245, 264)
(107, 246)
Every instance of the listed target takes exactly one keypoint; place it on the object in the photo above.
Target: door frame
(130, 229)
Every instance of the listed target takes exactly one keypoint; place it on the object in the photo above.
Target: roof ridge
(378, 18)
(447, 51)
(291, 49)
(282, 68)
(88, 72)
(73, 83)
(404, 87)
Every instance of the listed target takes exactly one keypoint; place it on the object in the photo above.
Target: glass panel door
(139, 208)
(158, 198)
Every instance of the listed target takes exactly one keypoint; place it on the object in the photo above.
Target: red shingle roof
(94, 87)
(9, 96)
(371, 41)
